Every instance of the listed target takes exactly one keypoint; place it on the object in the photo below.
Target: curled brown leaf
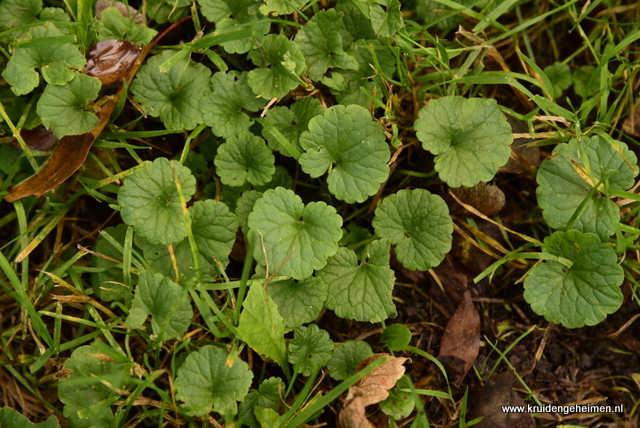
(111, 61)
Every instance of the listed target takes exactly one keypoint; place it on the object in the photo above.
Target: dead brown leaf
(38, 138)
(111, 61)
(70, 154)
(461, 340)
(488, 402)
(371, 389)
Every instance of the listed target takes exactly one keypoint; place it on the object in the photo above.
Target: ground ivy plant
(264, 164)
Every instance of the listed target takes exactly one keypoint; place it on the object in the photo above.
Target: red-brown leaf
(461, 340)
(38, 138)
(111, 60)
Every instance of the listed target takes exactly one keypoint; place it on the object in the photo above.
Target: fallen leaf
(488, 401)
(461, 340)
(70, 154)
(38, 138)
(111, 61)
(371, 389)
(486, 198)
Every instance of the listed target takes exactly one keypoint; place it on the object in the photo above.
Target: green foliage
(55, 64)
(211, 379)
(388, 20)
(62, 108)
(396, 337)
(346, 357)
(291, 237)
(418, 224)
(360, 291)
(222, 109)
(280, 63)
(214, 229)
(567, 182)
(86, 398)
(108, 284)
(348, 138)
(244, 158)
(299, 302)
(310, 349)
(470, 138)
(400, 403)
(261, 326)
(113, 25)
(166, 302)
(560, 76)
(321, 44)
(291, 121)
(172, 96)
(266, 397)
(227, 14)
(13, 419)
(580, 294)
(149, 201)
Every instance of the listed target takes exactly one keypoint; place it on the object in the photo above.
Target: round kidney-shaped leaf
(565, 183)
(348, 138)
(470, 138)
(418, 223)
(150, 202)
(208, 381)
(243, 158)
(296, 239)
(582, 294)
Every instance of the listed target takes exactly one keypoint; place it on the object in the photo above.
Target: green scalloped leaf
(55, 63)
(320, 42)
(564, 186)
(150, 202)
(214, 229)
(583, 294)
(560, 76)
(267, 397)
(281, 7)
(418, 224)
(172, 96)
(299, 302)
(261, 325)
(114, 25)
(223, 109)
(167, 303)
(16, 13)
(360, 291)
(470, 138)
(281, 63)
(210, 380)
(10, 418)
(347, 140)
(296, 238)
(244, 207)
(228, 14)
(388, 20)
(63, 108)
(86, 398)
(245, 158)
(310, 349)
(346, 358)
(291, 121)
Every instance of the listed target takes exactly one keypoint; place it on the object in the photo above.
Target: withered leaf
(70, 154)
(461, 340)
(371, 389)
(38, 138)
(488, 402)
(111, 61)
